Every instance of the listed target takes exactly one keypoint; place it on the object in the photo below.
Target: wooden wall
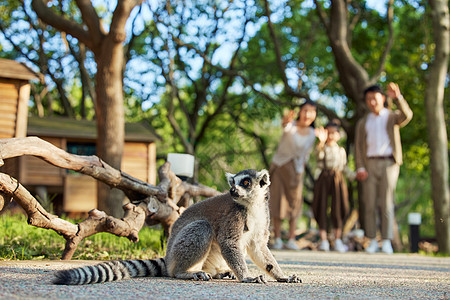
(14, 96)
(139, 160)
(80, 193)
(35, 171)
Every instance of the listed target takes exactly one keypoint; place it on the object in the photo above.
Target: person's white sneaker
(386, 247)
(373, 247)
(324, 246)
(339, 246)
(292, 245)
(278, 244)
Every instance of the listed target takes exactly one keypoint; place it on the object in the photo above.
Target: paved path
(324, 275)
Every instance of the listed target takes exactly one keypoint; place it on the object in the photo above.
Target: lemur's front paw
(294, 279)
(202, 276)
(258, 279)
(290, 279)
(228, 274)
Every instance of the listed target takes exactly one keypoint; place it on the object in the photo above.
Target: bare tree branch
(158, 207)
(89, 165)
(98, 221)
(57, 21)
(37, 215)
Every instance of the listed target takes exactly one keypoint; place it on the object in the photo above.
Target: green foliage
(23, 242)
(245, 132)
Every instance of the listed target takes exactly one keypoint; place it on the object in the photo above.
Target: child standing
(332, 160)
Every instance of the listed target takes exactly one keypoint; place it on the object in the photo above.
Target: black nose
(234, 192)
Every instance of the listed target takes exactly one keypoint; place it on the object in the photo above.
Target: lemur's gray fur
(209, 240)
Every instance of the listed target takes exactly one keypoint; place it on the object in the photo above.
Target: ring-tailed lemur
(209, 240)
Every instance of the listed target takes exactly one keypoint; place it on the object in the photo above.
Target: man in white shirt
(378, 155)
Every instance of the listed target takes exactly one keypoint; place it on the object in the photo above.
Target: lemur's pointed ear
(263, 178)
(230, 178)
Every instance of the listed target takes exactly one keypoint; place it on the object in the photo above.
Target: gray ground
(325, 276)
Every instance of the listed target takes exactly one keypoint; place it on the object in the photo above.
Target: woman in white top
(287, 169)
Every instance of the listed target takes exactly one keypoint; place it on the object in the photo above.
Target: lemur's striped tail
(112, 271)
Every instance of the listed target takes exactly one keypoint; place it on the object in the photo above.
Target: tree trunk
(437, 133)
(110, 120)
(353, 77)
(108, 50)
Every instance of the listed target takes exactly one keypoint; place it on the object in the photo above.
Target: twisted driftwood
(152, 204)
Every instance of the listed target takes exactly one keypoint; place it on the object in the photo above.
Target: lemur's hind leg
(189, 250)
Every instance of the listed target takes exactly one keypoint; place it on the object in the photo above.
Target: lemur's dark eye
(245, 183)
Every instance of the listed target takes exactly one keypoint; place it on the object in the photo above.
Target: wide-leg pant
(330, 184)
(285, 191)
(379, 193)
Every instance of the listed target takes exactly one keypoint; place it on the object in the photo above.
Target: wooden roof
(83, 129)
(16, 70)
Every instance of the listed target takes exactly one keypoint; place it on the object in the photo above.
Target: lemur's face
(248, 184)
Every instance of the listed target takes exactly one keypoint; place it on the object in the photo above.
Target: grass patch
(20, 241)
